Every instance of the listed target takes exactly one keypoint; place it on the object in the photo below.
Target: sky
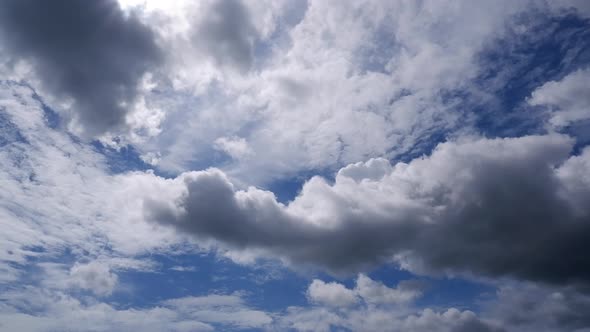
(295, 165)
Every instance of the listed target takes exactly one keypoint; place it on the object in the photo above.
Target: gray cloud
(227, 34)
(526, 307)
(89, 51)
(489, 207)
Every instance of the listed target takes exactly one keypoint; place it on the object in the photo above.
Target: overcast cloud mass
(295, 165)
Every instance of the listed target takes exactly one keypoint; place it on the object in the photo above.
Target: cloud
(226, 33)
(374, 292)
(569, 98)
(389, 84)
(34, 309)
(385, 319)
(484, 207)
(474, 206)
(94, 277)
(530, 307)
(77, 209)
(229, 310)
(92, 54)
(331, 294)
(372, 306)
(235, 147)
(334, 294)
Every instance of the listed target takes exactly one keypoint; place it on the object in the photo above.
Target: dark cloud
(89, 51)
(227, 34)
(501, 207)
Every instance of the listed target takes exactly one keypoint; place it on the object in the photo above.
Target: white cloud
(235, 147)
(229, 310)
(384, 318)
(94, 277)
(568, 98)
(58, 196)
(332, 294)
(317, 95)
(32, 309)
(375, 292)
(369, 291)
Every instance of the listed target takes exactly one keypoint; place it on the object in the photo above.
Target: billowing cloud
(486, 206)
(91, 56)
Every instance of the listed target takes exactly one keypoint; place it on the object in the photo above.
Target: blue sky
(294, 165)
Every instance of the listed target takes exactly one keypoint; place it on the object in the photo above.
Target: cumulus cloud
(373, 306)
(92, 54)
(331, 293)
(486, 206)
(368, 290)
(568, 98)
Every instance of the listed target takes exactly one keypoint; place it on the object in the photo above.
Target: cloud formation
(89, 55)
(377, 308)
(568, 98)
(486, 207)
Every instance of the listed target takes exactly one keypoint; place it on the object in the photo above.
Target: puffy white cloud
(331, 293)
(368, 290)
(568, 98)
(375, 292)
(383, 316)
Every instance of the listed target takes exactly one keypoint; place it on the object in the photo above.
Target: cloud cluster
(373, 306)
